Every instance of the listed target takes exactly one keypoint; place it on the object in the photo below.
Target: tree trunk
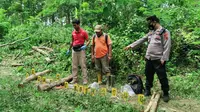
(53, 18)
(68, 17)
(22, 14)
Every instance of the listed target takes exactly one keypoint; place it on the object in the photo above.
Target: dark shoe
(147, 93)
(166, 98)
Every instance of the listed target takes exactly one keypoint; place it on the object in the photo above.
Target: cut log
(14, 42)
(155, 103)
(32, 77)
(40, 51)
(43, 82)
(46, 48)
(167, 109)
(49, 60)
(150, 103)
(45, 87)
(17, 64)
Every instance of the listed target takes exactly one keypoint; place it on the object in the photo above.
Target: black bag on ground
(136, 83)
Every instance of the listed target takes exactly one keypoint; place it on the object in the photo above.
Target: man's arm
(166, 47)
(70, 47)
(109, 44)
(110, 51)
(88, 41)
(71, 44)
(137, 43)
(92, 50)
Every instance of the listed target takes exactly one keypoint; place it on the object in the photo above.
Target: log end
(43, 87)
(39, 88)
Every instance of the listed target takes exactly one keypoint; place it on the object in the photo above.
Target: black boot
(166, 97)
(147, 92)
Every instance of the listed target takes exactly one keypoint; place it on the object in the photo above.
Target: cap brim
(97, 30)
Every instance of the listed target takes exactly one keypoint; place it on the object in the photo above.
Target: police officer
(159, 44)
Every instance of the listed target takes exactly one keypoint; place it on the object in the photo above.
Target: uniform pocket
(158, 39)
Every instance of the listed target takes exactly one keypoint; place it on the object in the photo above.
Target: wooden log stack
(48, 86)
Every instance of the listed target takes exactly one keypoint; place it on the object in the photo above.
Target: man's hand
(127, 47)
(68, 51)
(83, 47)
(162, 62)
(109, 58)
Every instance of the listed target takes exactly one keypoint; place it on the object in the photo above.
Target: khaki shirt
(156, 48)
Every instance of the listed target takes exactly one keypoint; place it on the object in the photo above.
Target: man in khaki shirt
(159, 44)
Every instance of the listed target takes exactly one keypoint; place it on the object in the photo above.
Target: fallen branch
(155, 103)
(32, 77)
(49, 60)
(46, 48)
(40, 50)
(14, 42)
(150, 103)
(44, 87)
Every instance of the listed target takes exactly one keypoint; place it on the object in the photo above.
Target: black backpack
(136, 83)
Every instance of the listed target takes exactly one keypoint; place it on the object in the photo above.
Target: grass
(29, 99)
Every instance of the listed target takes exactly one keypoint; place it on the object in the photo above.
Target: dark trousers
(151, 67)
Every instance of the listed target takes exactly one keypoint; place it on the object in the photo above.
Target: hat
(97, 28)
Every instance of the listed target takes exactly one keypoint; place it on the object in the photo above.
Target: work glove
(83, 47)
(68, 51)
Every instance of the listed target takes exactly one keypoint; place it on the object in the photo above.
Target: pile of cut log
(48, 83)
(44, 51)
(32, 77)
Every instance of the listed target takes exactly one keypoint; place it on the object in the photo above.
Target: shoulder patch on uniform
(166, 35)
